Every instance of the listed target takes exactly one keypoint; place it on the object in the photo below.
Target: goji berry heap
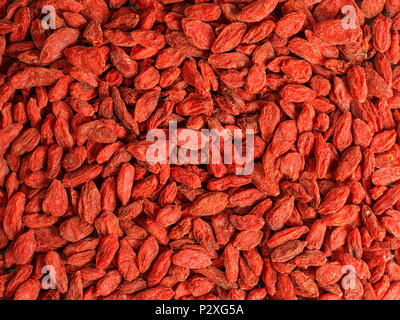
(84, 213)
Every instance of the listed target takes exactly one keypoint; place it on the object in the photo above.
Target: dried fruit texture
(199, 33)
(229, 37)
(56, 43)
(291, 24)
(86, 105)
(335, 32)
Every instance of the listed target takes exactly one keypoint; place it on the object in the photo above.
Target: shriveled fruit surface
(312, 86)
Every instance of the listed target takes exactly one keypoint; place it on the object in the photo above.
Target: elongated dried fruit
(191, 259)
(199, 150)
